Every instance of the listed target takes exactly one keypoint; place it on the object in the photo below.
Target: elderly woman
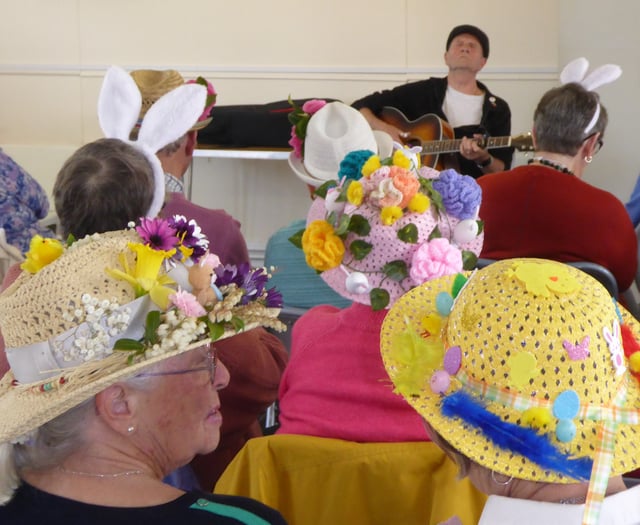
(546, 209)
(528, 377)
(114, 380)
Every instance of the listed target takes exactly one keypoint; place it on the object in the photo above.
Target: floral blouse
(23, 202)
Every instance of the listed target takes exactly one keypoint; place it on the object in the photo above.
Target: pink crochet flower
(435, 259)
(295, 143)
(311, 106)
(187, 304)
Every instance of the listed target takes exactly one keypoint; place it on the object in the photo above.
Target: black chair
(597, 271)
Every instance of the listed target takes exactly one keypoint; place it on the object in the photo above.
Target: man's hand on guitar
(472, 150)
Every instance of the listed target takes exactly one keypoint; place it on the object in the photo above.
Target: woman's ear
(114, 405)
(591, 144)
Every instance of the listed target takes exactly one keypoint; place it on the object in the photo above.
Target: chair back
(321, 480)
(9, 254)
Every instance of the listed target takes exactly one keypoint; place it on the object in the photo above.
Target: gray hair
(563, 114)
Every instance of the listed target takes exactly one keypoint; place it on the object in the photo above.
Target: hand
(470, 149)
(396, 134)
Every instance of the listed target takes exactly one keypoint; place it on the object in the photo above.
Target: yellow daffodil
(41, 252)
(390, 214)
(355, 193)
(144, 275)
(419, 203)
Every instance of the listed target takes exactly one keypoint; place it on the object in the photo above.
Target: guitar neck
(453, 145)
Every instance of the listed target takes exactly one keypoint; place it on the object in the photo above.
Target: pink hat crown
(392, 226)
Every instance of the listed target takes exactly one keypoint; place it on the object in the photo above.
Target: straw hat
(387, 226)
(521, 367)
(153, 84)
(333, 131)
(105, 308)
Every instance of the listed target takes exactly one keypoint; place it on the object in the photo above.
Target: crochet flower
(355, 193)
(41, 252)
(433, 259)
(405, 182)
(351, 165)
(461, 194)
(386, 194)
(322, 248)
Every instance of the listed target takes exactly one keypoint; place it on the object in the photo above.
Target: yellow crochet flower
(370, 166)
(322, 248)
(41, 252)
(144, 276)
(355, 193)
(400, 159)
(390, 214)
(419, 203)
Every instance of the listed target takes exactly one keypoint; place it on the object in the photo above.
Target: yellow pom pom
(536, 417)
(390, 214)
(634, 362)
(419, 203)
(355, 193)
(370, 166)
(400, 159)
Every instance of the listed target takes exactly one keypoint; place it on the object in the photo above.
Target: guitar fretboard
(453, 146)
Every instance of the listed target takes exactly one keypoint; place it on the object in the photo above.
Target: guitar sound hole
(411, 142)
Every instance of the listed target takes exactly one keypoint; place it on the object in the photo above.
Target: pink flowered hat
(385, 226)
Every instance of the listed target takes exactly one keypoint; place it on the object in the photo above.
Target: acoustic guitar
(437, 138)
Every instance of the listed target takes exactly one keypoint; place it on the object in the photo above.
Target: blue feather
(509, 436)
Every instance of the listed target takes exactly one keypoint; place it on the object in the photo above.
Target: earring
(502, 483)
(131, 429)
(588, 159)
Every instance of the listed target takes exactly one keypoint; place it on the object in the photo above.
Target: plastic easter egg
(465, 231)
(357, 283)
(440, 382)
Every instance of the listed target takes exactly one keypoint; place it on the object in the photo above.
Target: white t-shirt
(462, 109)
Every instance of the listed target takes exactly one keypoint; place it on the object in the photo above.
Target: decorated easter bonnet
(82, 317)
(323, 133)
(383, 226)
(528, 367)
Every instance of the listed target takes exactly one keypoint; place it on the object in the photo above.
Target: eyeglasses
(598, 145)
(212, 363)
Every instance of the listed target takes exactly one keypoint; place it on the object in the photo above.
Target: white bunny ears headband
(576, 70)
(166, 121)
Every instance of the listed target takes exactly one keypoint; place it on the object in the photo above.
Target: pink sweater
(335, 384)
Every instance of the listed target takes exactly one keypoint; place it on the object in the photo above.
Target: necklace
(551, 164)
(578, 500)
(103, 476)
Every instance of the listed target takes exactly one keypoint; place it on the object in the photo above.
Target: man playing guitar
(459, 99)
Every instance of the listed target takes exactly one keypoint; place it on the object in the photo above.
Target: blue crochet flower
(351, 165)
(461, 194)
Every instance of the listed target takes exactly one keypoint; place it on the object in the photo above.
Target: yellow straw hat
(81, 318)
(153, 84)
(521, 367)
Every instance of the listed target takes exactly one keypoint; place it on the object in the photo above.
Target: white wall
(53, 56)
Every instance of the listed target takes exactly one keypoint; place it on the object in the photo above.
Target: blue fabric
(23, 203)
(300, 286)
(633, 206)
(183, 478)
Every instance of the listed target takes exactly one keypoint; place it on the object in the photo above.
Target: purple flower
(252, 282)
(231, 274)
(157, 233)
(273, 298)
(190, 235)
(461, 194)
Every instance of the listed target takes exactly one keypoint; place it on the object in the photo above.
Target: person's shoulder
(224, 509)
(178, 204)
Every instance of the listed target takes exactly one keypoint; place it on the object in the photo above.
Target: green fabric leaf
(343, 225)
(458, 282)
(379, 298)
(359, 225)
(408, 233)
(215, 330)
(435, 234)
(469, 260)
(480, 226)
(151, 327)
(321, 191)
(128, 345)
(296, 239)
(396, 270)
(238, 324)
(360, 249)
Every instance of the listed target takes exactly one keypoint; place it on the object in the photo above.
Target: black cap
(473, 31)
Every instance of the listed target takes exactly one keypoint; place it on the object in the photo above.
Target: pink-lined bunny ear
(172, 116)
(119, 104)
